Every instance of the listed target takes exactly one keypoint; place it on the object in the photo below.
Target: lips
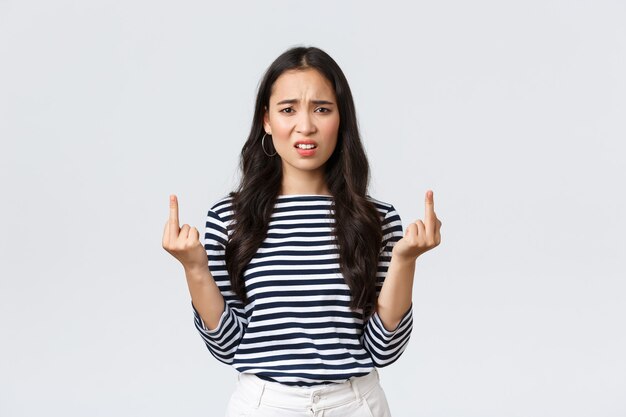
(305, 142)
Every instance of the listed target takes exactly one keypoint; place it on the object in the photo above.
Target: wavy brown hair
(357, 222)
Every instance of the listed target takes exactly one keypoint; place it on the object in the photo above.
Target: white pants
(358, 397)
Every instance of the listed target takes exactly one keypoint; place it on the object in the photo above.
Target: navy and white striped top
(298, 328)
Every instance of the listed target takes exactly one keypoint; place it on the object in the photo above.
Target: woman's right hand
(183, 243)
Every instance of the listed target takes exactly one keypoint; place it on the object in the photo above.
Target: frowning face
(302, 110)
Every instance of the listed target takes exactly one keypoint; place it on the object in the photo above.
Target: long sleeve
(384, 346)
(222, 341)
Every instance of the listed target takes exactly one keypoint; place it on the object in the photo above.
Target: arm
(394, 305)
(219, 315)
(386, 334)
(206, 297)
(396, 296)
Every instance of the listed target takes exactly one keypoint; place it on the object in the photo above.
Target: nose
(305, 124)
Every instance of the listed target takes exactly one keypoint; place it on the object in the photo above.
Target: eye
(326, 110)
(287, 108)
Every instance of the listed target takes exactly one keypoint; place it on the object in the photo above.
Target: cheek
(281, 129)
(331, 128)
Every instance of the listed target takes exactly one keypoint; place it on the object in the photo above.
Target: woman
(304, 281)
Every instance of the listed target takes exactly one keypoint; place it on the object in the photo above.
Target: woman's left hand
(420, 236)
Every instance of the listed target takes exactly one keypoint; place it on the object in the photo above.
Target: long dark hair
(357, 222)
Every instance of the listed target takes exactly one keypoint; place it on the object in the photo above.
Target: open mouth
(305, 146)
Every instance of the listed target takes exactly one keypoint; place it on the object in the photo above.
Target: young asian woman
(304, 281)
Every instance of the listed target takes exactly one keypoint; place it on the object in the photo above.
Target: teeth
(305, 146)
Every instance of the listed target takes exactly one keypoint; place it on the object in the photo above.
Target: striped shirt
(298, 328)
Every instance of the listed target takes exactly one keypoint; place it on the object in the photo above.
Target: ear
(266, 121)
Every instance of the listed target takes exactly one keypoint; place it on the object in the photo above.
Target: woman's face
(302, 108)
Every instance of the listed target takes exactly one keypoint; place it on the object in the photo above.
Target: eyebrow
(293, 100)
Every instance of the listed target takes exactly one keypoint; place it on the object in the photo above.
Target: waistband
(260, 391)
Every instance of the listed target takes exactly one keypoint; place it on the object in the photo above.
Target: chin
(307, 165)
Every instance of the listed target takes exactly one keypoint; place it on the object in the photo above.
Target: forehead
(302, 83)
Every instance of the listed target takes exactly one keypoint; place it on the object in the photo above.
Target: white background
(511, 111)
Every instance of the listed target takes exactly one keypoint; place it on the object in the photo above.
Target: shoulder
(391, 222)
(221, 208)
(384, 208)
(222, 203)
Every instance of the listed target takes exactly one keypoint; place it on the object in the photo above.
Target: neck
(304, 182)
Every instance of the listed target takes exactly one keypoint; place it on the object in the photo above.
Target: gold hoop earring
(263, 147)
